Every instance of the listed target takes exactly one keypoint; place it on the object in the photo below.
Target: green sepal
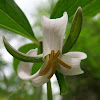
(24, 49)
(61, 82)
(74, 31)
(19, 55)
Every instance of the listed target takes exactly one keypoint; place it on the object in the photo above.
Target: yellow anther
(57, 54)
(64, 64)
(46, 70)
(52, 54)
(53, 70)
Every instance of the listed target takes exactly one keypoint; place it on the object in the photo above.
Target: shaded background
(81, 87)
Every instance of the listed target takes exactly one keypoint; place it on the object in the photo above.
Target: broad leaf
(36, 67)
(74, 31)
(90, 7)
(61, 82)
(19, 55)
(13, 19)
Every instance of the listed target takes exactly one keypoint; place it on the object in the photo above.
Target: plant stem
(61, 82)
(49, 91)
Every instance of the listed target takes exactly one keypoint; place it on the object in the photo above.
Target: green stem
(49, 91)
(61, 82)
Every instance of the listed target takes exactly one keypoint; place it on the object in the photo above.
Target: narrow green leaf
(61, 82)
(24, 49)
(90, 8)
(13, 19)
(49, 91)
(74, 32)
(20, 56)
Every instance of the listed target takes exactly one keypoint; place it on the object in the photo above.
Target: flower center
(53, 61)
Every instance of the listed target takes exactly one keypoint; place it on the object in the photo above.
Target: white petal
(24, 71)
(73, 59)
(24, 68)
(40, 80)
(53, 33)
(76, 54)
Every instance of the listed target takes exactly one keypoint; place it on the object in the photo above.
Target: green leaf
(13, 19)
(49, 91)
(90, 7)
(61, 82)
(74, 32)
(24, 49)
(36, 67)
(19, 55)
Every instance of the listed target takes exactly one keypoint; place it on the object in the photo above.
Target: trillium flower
(53, 36)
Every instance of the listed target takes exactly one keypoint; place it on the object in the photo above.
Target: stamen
(53, 70)
(52, 58)
(46, 70)
(52, 54)
(64, 64)
(57, 54)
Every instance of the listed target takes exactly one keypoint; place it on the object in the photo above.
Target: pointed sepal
(61, 82)
(19, 55)
(74, 32)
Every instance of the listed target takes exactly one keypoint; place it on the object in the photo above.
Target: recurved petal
(40, 80)
(72, 59)
(25, 68)
(24, 71)
(53, 33)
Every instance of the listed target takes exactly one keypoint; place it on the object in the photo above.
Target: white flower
(67, 64)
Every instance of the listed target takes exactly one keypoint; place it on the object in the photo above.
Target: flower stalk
(49, 91)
